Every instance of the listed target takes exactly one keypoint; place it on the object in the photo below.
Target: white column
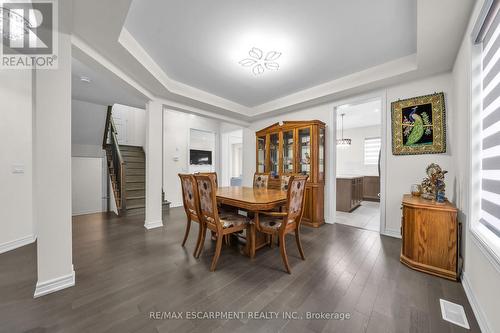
(154, 151)
(52, 167)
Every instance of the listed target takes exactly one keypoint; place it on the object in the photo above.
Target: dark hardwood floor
(124, 272)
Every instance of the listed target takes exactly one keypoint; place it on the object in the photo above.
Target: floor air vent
(454, 313)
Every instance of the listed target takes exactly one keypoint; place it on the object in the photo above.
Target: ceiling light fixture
(85, 79)
(343, 142)
(259, 63)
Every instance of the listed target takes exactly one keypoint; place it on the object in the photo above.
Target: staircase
(126, 167)
(135, 178)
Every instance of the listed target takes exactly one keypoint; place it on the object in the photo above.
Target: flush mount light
(260, 63)
(85, 79)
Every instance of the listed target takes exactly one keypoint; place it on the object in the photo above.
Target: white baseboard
(176, 204)
(50, 286)
(480, 317)
(391, 233)
(12, 245)
(153, 224)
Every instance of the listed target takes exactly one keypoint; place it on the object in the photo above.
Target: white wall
(87, 128)
(481, 273)
(87, 185)
(135, 121)
(402, 171)
(16, 190)
(351, 159)
(176, 133)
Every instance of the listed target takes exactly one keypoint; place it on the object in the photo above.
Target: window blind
(490, 118)
(372, 149)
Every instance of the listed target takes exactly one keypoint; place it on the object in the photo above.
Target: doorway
(232, 157)
(358, 164)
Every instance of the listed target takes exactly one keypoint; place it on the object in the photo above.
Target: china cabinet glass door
(261, 154)
(288, 146)
(305, 151)
(321, 153)
(274, 141)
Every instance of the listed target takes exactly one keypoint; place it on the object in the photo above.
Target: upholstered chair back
(260, 180)
(210, 173)
(190, 197)
(284, 180)
(296, 198)
(208, 198)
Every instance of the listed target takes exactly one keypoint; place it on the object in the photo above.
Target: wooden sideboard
(296, 147)
(430, 234)
(349, 193)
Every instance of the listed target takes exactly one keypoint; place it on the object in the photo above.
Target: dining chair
(260, 180)
(209, 173)
(282, 223)
(191, 201)
(221, 224)
(284, 180)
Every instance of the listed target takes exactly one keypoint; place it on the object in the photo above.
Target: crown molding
(137, 51)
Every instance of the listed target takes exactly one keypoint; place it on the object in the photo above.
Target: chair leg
(283, 253)
(218, 248)
(186, 234)
(299, 244)
(272, 241)
(198, 240)
(201, 245)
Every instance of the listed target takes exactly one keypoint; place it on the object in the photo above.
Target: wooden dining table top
(251, 198)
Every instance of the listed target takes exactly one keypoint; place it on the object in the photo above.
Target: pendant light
(343, 142)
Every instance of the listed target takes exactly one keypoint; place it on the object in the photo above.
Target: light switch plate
(17, 168)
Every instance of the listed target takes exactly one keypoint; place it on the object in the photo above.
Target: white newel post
(154, 165)
(52, 166)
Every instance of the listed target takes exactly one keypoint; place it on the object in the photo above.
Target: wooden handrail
(106, 126)
(113, 149)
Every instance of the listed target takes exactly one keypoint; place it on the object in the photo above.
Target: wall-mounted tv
(200, 157)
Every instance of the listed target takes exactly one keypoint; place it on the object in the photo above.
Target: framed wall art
(419, 125)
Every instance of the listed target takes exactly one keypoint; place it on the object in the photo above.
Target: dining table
(252, 200)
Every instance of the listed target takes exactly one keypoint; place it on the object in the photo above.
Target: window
(485, 170)
(372, 150)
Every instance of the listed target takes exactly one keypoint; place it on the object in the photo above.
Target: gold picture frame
(419, 125)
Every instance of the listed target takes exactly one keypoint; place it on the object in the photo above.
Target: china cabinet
(296, 147)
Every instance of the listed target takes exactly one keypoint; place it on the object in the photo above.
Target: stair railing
(110, 143)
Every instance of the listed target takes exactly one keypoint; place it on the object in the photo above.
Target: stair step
(135, 186)
(130, 148)
(131, 202)
(129, 159)
(135, 211)
(135, 172)
(132, 153)
(136, 165)
(135, 193)
(135, 178)
(136, 205)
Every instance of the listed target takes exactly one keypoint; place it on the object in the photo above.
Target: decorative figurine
(433, 186)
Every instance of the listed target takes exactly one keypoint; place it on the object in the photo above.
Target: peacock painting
(419, 125)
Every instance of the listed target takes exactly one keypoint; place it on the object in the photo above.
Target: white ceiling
(104, 87)
(200, 43)
(360, 115)
(188, 75)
